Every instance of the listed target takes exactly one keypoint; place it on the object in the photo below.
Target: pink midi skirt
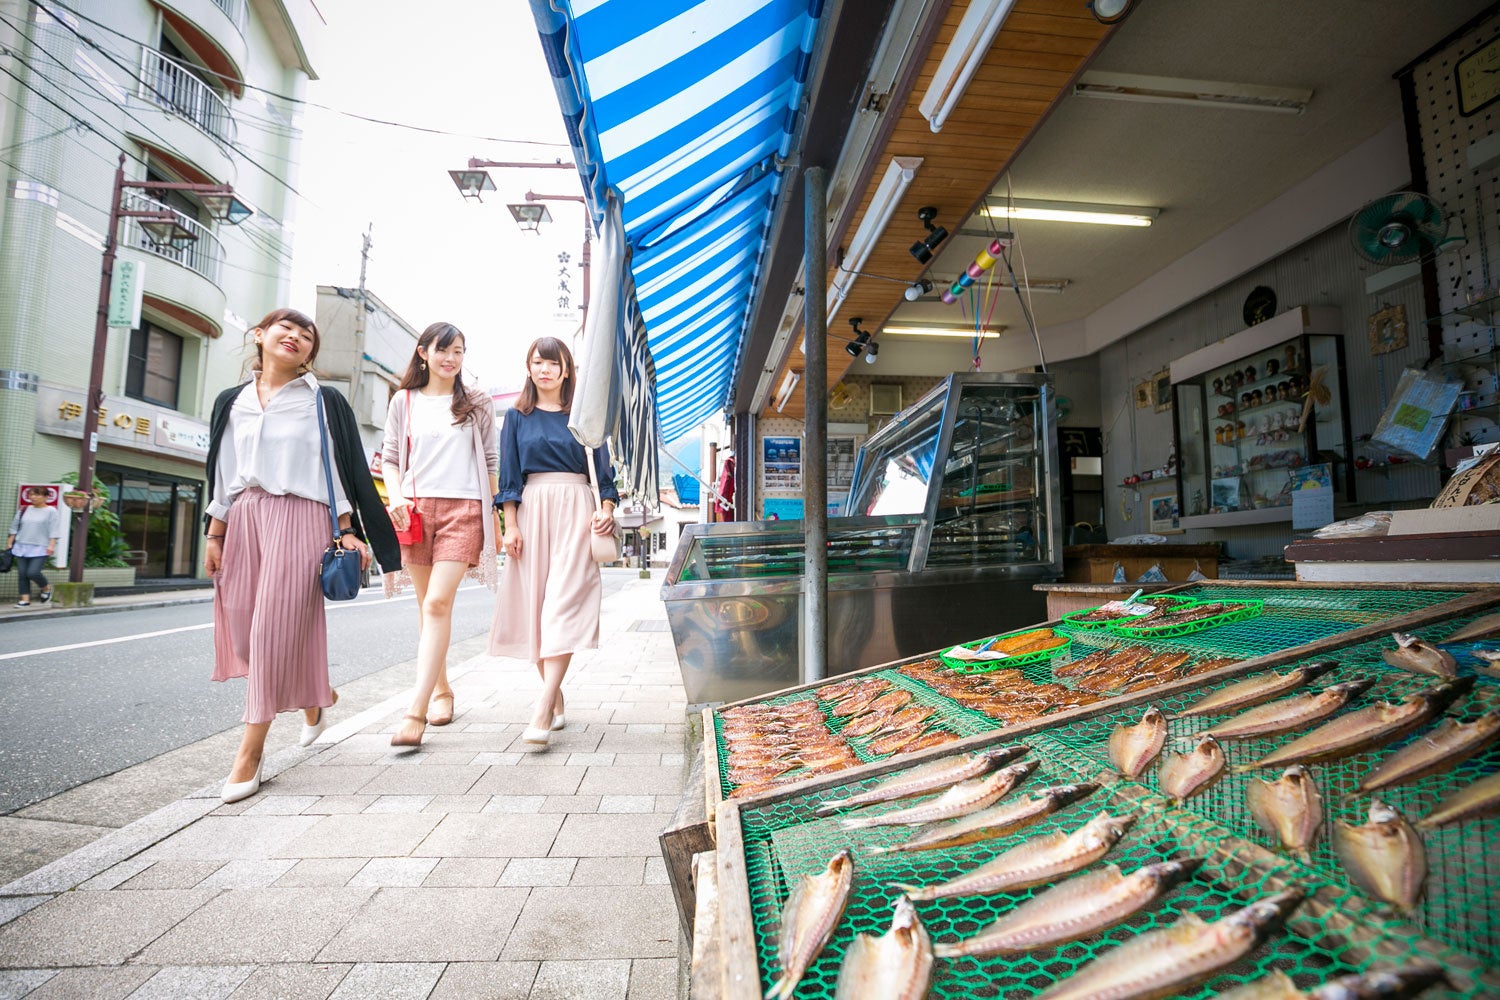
(548, 601)
(268, 604)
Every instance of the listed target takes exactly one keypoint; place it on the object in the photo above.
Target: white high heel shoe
(312, 732)
(559, 721)
(535, 735)
(234, 791)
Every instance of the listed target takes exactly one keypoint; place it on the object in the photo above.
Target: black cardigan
(368, 516)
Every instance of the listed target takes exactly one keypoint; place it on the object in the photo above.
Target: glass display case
(1254, 408)
(954, 514)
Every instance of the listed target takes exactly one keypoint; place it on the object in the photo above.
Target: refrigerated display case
(954, 514)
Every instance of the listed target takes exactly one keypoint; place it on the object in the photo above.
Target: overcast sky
(467, 67)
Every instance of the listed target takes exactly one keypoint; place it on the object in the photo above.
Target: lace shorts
(452, 531)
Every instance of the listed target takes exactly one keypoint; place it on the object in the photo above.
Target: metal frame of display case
(734, 950)
(737, 632)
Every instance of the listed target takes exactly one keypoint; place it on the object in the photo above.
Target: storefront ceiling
(1204, 168)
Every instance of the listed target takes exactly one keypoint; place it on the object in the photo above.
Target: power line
(313, 104)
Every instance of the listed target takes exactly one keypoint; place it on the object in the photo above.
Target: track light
(923, 248)
(917, 289)
(861, 338)
(1110, 11)
(870, 353)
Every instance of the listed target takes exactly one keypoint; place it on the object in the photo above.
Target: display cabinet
(1254, 408)
(954, 514)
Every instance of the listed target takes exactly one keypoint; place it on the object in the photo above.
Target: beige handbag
(606, 548)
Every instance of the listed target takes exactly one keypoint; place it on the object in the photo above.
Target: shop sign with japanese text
(124, 423)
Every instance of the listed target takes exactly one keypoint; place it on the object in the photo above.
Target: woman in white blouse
(268, 524)
(439, 461)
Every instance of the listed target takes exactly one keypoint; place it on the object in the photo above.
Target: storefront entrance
(159, 517)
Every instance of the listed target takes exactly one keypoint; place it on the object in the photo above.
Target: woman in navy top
(548, 606)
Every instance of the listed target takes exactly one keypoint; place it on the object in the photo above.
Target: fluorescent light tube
(788, 383)
(954, 332)
(898, 177)
(1043, 286)
(971, 43)
(1064, 211)
(1171, 90)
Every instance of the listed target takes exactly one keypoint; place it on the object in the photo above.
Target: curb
(98, 609)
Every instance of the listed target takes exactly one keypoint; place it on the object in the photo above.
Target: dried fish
(1132, 748)
(1290, 713)
(855, 704)
(1401, 983)
(1412, 653)
(1277, 986)
(1372, 726)
(1077, 908)
(1289, 809)
(1257, 689)
(808, 919)
(929, 739)
(1450, 743)
(891, 701)
(908, 716)
(1384, 857)
(929, 777)
(895, 966)
(866, 724)
(1477, 800)
(960, 800)
(1167, 961)
(1487, 627)
(996, 821)
(1184, 775)
(892, 742)
(1033, 862)
(1183, 616)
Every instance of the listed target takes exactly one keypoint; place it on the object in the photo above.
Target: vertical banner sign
(125, 291)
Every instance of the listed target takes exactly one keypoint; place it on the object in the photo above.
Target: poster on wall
(1312, 496)
(1164, 514)
(782, 508)
(781, 463)
(55, 492)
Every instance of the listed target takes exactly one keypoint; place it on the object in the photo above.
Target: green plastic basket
(983, 667)
(1072, 618)
(1251, 609)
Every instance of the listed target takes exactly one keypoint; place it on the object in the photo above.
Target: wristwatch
(346, 531)
(498, 502)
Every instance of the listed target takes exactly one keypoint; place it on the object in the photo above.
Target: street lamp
(162, 227)
(530, 217)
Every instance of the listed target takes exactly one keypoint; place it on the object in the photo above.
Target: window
(154, 366)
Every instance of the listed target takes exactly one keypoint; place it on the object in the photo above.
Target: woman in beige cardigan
(439, 461)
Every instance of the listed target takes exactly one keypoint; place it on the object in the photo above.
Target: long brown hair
(442, 335)
(551, 349)
(291, 316)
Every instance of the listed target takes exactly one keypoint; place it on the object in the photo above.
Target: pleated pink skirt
(548, 601)
(268, 604)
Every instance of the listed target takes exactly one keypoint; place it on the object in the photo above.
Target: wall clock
(1478, 78)
(1260, 305)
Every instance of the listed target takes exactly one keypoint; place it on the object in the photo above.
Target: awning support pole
(815, 423)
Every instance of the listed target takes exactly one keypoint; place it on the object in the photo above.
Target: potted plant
(104, 555)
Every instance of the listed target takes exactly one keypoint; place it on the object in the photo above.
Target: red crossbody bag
(412, 533)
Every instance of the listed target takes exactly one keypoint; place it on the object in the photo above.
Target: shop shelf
(1251, 386)
(1145, 630)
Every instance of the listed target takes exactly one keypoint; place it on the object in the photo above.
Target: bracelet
(346, 531)
(213, 536)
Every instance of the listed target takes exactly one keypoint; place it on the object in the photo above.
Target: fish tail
(943, 950)
(780, 989)
(878, 849)
(854, 823)
(916, 893)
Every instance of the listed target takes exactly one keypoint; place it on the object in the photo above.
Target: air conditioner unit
(885, 399)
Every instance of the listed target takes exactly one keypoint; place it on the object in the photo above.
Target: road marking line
(184, 628)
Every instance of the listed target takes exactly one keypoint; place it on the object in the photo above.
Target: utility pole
(359, 323)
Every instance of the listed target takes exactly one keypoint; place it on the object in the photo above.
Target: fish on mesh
(959, 800)
(1384, 856)
(1133, 748)
(996, 821)
(1257, 689)
(1476, 800)
(1449, 744)
(894, 966)
(808, 920)
(930, 777)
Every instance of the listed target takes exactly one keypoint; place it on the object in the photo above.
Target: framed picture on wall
(1143, 396)
(1161, 390)
(1164, 514)
(1387, 330)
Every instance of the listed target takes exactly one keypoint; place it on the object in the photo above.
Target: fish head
(1165, 874)
(1115, 827)
(1352, 689)
(905, 916)
(1317, 668)
(1488, 655)
(1207, 746)
(1296, 776)
(1268, 914)
(840, 863)
(1000, 755)
(1405, 639)
(1154, 716)
(1021, 770)
(1406, 981)
(1440, 696)
(1065, 795)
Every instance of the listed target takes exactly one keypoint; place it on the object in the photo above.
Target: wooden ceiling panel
(1041, 48)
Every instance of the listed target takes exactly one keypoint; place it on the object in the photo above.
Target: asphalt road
(84, 696)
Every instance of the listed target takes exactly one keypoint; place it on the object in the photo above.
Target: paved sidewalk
(472, 868)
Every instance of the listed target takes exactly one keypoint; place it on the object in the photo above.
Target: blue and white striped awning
(685, 109)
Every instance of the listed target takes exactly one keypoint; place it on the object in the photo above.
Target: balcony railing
(172, 85)
(204, 255)
(235, 9)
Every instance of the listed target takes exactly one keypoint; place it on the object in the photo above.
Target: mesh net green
(1290, 617)
(1337, 932)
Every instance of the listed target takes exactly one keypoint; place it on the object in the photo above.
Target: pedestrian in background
(548, 607)
(34, 533)
(440, 473)
(268, 525)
